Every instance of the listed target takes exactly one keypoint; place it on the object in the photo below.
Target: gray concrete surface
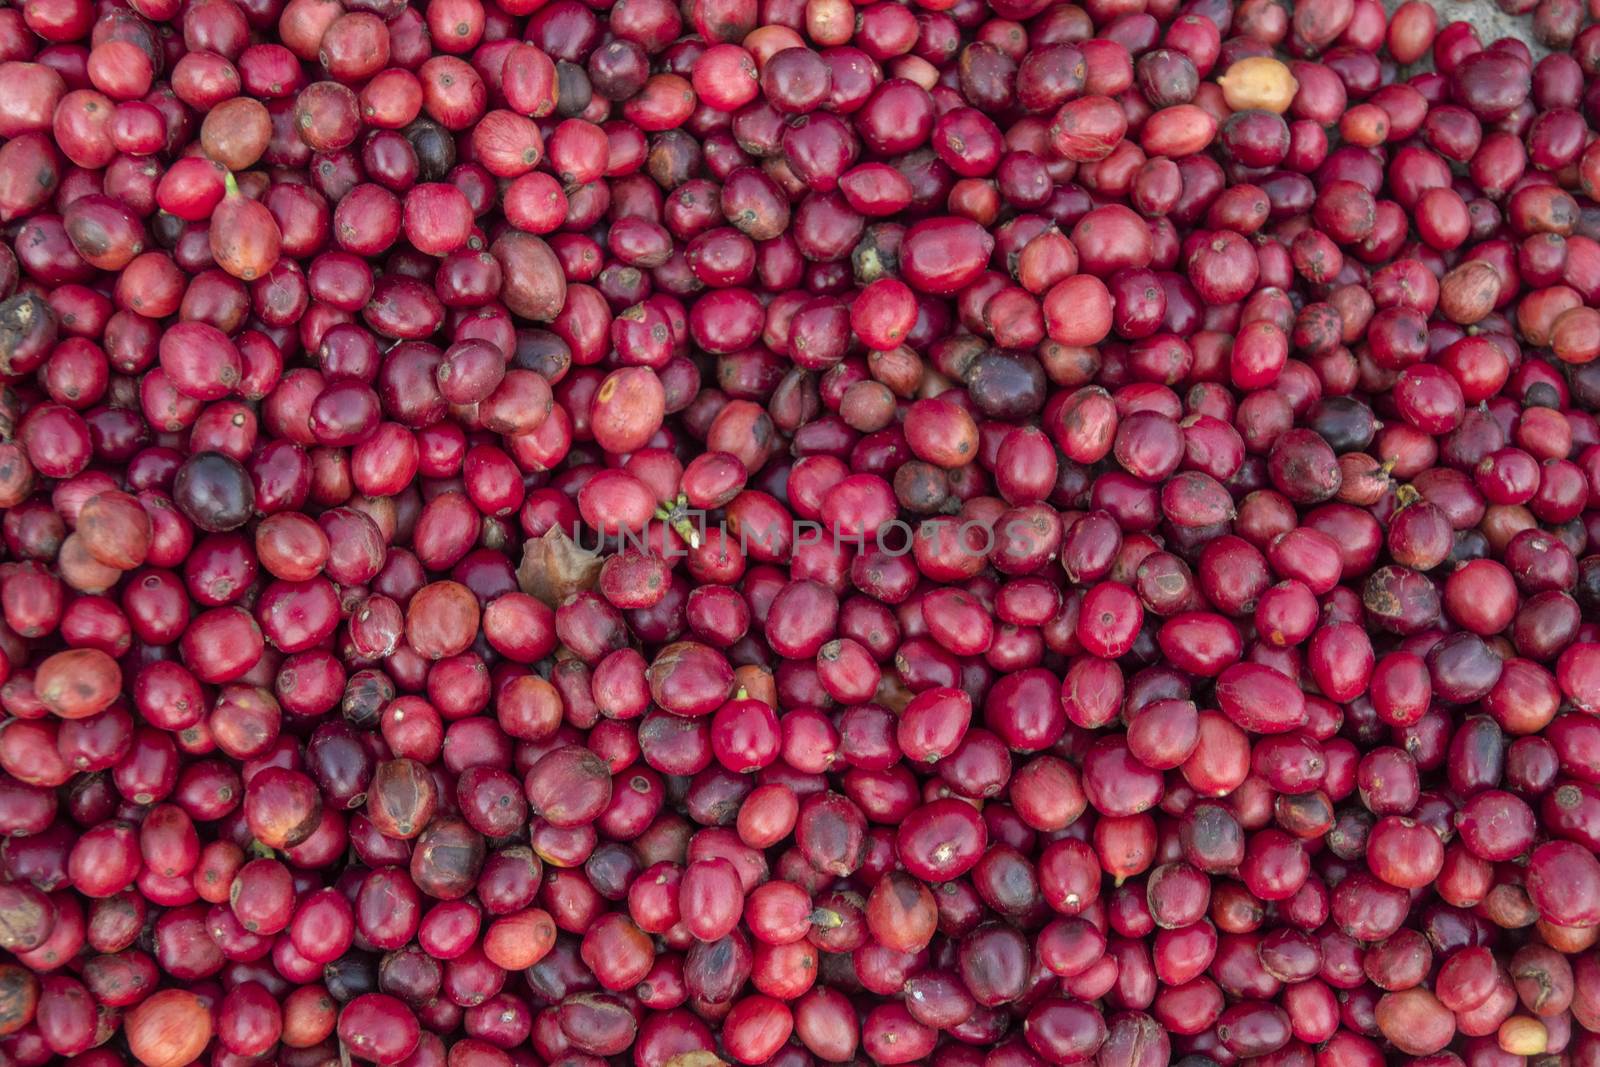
(1492, 23)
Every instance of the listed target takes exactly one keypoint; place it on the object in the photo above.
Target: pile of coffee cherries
(628, 533)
